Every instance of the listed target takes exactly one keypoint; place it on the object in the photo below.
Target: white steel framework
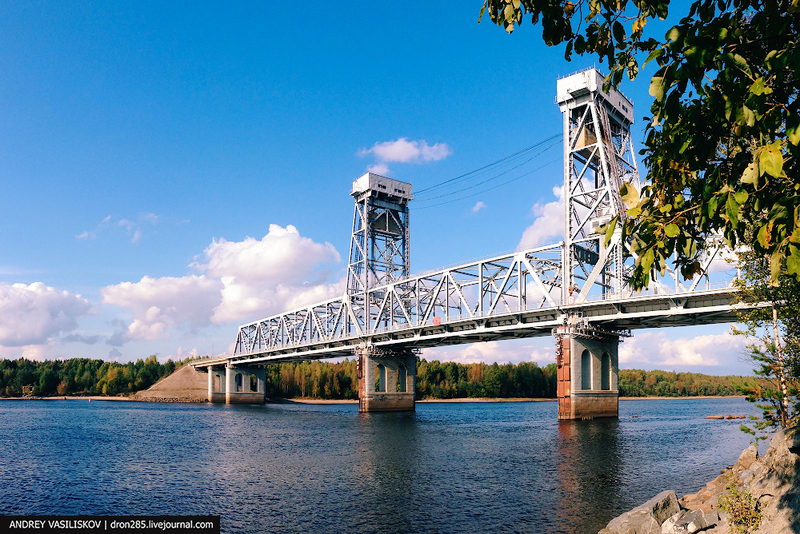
(522, 294)
(598, 158)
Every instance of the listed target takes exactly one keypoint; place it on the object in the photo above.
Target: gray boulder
(689, 522)
(646, 518)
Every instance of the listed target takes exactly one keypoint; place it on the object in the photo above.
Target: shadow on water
(589, 466)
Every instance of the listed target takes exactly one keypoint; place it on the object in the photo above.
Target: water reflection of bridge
(576, 290)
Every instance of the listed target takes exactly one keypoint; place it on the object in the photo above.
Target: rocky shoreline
(762, 491)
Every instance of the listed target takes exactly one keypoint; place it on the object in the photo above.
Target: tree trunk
(780, 372)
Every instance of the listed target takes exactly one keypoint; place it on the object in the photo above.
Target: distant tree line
(435, 380)
(339, 380)
(81, 376)
(639, 383)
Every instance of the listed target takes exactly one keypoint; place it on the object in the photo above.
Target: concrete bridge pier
(236, 384)
(386, 380)
(588, 372)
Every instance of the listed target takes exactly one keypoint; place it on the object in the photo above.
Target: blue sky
(171, 171)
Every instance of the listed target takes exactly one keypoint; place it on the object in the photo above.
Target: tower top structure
(576, 89)
(381, 186)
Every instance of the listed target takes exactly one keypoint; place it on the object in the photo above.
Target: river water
(449, 467)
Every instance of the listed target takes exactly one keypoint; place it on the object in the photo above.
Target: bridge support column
(245, 385)
(588, 372)
(216, 384)
(386, 380)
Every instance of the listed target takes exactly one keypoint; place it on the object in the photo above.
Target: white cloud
(132, 228)
(509, 351)
(86, 234)
(180, 354)
(548, 224)
(379, 168)
(158, 303)
(404, 151)
(32, 314)
(281, 271)
(240, 280)
(478, 206)
(655, 350)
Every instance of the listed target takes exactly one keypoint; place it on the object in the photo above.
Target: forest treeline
(339, 380)
(436, 380)
(80, 376)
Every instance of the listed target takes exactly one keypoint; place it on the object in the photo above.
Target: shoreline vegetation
(337, 381)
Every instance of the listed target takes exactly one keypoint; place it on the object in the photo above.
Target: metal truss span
(509, 296)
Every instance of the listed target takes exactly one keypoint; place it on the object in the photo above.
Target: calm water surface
(449, 467)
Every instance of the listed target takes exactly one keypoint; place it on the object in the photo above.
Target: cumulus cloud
(32, 314)
(404, 151)
(548, 224)
(478, 206)
(283, 270)
(655, 350)
(158, 303)
(239, 280)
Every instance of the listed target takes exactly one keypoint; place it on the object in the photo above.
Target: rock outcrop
(773, 483)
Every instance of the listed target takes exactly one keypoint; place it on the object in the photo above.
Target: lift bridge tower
(379, 256)
(598, 158)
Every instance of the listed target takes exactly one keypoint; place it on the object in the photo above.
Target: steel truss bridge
(521, 294)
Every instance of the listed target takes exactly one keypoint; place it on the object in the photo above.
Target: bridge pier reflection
(236, 384)
(386, 380)
(588, 372)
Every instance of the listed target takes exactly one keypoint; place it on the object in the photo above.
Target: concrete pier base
(236, 385)
(588, 372)
(386, 380)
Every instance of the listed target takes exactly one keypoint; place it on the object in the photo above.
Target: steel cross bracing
(521, 294)
(510, 296)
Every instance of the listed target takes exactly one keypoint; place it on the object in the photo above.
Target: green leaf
(647, 260)
(612, 225)
(732, 209)
(793, 266)
(793, 129)
(764, 235)
(745, 115)
(634, 212)
(771, 161)
(655, 54)
(629, 194)
(738, 61)
(657, 88)
(750, 175)
(759, 87)
(741, 197)
(775, 261)
(672, 230)
(619, 32)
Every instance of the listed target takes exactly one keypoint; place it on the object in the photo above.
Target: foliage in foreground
(742, 508)
(81, 376)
